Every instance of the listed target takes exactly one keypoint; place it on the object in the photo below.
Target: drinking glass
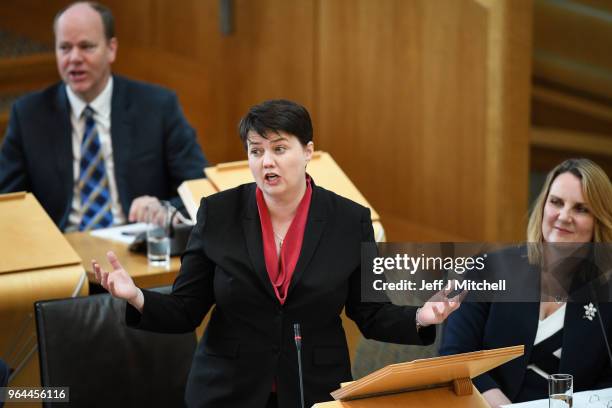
(158, 233)
(560, 390)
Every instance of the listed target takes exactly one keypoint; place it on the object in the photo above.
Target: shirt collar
(101, 104)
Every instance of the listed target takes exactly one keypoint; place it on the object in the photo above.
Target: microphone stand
(298, 346)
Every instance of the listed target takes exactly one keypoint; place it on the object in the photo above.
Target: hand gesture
(140, 206)
(118, 282)
(438, 307)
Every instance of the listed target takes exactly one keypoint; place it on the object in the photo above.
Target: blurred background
(444, 113)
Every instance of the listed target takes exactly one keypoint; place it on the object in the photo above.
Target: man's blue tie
(93, 181)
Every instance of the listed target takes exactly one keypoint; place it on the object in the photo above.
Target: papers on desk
(584, 399)
(122, 233)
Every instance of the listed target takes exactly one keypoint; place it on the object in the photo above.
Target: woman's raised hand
(438, 307)
(118, 282)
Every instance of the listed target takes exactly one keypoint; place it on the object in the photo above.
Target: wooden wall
(218, 77)
(424, 104)
(572, 75)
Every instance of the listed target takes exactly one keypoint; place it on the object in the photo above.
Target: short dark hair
(275, 116)
(108, 21)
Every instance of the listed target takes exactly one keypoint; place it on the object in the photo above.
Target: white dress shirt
(547, 328)
(102, 116)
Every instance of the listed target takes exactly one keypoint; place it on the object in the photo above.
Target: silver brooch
(589, 311)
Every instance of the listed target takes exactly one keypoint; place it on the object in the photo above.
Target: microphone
(298, 346)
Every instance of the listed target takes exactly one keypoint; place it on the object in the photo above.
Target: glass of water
(158, 234)
(560, 390)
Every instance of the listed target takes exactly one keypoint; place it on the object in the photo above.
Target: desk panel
(89, 247)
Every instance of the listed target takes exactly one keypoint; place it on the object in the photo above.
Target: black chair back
(84, 344)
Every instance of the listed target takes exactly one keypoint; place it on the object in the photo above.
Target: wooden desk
(89, 247)
(145, 276)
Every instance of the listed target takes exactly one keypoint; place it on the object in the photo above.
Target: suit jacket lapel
(315, 225)
(254, 243)
(61, 139)
(524, 314)
(121, 136)
(577, 331)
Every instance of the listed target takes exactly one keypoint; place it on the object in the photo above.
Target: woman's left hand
(438, 308)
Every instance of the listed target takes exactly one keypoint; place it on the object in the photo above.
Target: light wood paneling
(424, 105)
(36, 264)
(571, 113)
(27, 73)
(399, 229)
(269, 55)
(31, 18)
(508, 91)
(572, 97)
(572, 44)
(587, 107)
(580, 142)
(39, 235)
(544, 159)
(18, 292)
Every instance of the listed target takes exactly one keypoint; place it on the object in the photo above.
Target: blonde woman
(560, 336)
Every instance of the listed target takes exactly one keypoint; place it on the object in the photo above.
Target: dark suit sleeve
(184, 156)
(463, 332)
(192, 293)
(383, 321)
(13, 171)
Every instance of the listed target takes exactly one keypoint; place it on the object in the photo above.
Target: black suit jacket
(154, 148)
(483, 326)
(249, 341)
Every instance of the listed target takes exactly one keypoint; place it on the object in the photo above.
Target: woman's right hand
(118, 282)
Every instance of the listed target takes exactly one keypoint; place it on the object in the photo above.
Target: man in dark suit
(96, 149)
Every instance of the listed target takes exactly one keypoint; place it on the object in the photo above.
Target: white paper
(123, 233)
(581, 399)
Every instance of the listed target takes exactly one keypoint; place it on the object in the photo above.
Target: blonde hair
(597, 190)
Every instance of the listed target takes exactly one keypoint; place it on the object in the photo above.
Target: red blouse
(281, 270)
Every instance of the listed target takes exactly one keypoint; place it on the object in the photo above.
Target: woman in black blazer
(560, 334)
(268, 255)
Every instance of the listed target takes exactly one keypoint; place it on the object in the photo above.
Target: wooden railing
(573, 141)
(24, 74)
(27, 72)
(572, 45)
(572, 83)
